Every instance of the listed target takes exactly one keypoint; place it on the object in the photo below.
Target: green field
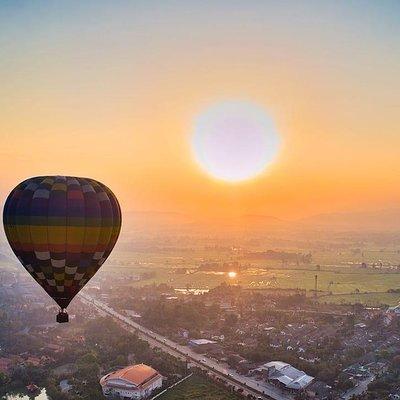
(371, 255)
(198, 388)
(369, 299)
(347, 283)
(334, 279)
(340, 280)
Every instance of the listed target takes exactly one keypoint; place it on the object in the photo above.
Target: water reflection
(41, 396)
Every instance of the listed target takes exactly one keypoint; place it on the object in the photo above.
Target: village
(304, 348)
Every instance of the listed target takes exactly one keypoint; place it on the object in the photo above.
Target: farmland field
(335, 280)
(198, 388)
(341, 282)
(370, 299)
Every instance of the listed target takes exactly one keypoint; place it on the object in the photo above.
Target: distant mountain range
(368, 220)
(383, 220)
(159, 222)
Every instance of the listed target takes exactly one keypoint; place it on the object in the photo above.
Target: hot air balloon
(62, 229)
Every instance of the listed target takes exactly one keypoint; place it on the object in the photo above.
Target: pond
(40, 396)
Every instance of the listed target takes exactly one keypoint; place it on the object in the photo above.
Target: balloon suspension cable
(62, 316)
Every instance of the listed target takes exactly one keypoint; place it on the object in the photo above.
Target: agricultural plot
(335, 280)
(368, 299)
(198, 388)
(368, 285)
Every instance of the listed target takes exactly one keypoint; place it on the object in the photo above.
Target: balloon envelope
(62, 229)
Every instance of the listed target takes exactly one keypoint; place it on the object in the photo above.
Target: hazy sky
(110, 90)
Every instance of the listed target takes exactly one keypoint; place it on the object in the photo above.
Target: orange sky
(111, 92)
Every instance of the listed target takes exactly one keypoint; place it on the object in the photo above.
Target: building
(203, 345)
(394, 310)
(318, 390)
(286, 375)
(133, 382)
(65, 387)
(201, 342)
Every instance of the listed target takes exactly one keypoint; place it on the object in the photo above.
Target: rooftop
(135, 374)
(395, 309)
(290, 376)
(199, 342)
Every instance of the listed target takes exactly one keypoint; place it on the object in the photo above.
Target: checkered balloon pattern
(62, 229)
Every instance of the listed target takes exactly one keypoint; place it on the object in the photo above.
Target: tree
(231, 319)
(396, 362)
(120, 360)
(4, 379)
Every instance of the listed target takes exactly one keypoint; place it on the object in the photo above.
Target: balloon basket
(62, 317)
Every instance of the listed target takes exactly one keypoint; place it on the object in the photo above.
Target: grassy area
(198, 388)
(336, 278)
(369, 256)
(368, 299)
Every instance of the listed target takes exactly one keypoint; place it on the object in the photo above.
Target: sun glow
(232, 274)
(234, 140)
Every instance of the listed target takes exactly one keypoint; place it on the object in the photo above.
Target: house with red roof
(133, 382)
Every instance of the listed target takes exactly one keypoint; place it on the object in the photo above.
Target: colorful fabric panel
(62, 229)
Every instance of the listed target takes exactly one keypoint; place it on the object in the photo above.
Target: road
(259, 389)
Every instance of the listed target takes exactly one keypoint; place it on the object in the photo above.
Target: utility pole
(315, 286)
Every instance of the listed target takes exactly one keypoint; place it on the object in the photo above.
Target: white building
(395, 310)
(202, 345)
(288, 376)
(201, 342)
(133, 382)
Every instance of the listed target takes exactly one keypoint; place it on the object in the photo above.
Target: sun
(234, 140)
